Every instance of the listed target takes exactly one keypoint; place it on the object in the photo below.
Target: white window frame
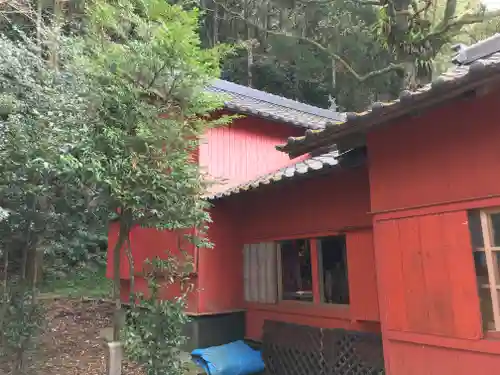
(490, 252)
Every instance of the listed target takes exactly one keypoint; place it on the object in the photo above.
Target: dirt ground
(72, 342)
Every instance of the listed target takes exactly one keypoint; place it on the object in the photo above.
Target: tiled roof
(476, 72)
(303, 167)
(249, 101)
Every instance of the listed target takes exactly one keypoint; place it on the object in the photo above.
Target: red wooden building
(233, 156)
(434, 186)
(392, 231)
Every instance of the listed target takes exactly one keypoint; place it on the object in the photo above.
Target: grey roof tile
(451, 84)
(250, 101)
(301, 168)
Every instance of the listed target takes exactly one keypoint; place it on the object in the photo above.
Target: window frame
(316, 271)
(490, 252)
(319, 257)
(279, 270)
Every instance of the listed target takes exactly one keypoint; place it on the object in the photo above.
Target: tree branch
(326, 2)
(464, 20)
(359, 77)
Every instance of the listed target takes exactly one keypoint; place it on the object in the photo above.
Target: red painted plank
(413, 275)
(244, 150)
(390, 275)
(463, 290)
(313, 245)
(324, 204)
(362, 276)
(437, 274)
(412, 358)
(425, 159)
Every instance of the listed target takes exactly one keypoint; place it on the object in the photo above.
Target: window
(332, 255)
(260, 272)
(485, 235)
(296, 270)
(291, 270)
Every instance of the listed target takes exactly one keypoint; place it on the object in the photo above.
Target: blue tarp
(236, 358)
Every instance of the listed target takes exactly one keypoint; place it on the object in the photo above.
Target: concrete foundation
(212, 330)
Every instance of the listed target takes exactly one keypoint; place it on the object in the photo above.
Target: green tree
(355, 50)
(43, 115)
(148, 69)
(288, 45)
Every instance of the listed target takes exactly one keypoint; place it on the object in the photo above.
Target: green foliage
(153, 334)
(21, 322)
(86, 280)
(145, 59)
(44, 114)
(103, 120)
(147, 69)
(287, 60)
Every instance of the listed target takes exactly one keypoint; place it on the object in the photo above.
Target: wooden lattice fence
(290, 349)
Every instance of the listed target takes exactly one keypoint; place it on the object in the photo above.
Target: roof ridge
(454, 82)
(281, 101)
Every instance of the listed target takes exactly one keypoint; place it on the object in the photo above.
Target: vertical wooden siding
(416, 359)
(425, 172)
(245, 149)
(166, 292)
(316, 207)
(426, 276)
(362, 275)
(146, 243)
(306, 207)
(220, 273)
(447, 154)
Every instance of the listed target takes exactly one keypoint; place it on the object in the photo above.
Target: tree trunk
(410, 78)
(122, 236)
(414, 79)
(250, 45)
(215, 25)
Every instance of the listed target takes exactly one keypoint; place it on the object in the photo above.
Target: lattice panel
(352, 353)
(290, 349)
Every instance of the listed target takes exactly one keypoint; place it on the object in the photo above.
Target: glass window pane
(486, 309)
(496, 265)
(495, 228)
(481, 268)
(334, 267)
(296, 270)
(476, 233)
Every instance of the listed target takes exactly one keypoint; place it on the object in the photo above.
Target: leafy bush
(44, 113)
(21, 321)
(153, 333)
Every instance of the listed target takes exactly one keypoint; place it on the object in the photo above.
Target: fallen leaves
(72, 342)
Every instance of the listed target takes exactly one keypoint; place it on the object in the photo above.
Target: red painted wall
(362, 276)
(319, 206)
(424, 174)
(220, 273)
(167, 291)
(146, 244)
(237, 153)
(447, 154)
(322, 204)
(426, 273)
(245, 150)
